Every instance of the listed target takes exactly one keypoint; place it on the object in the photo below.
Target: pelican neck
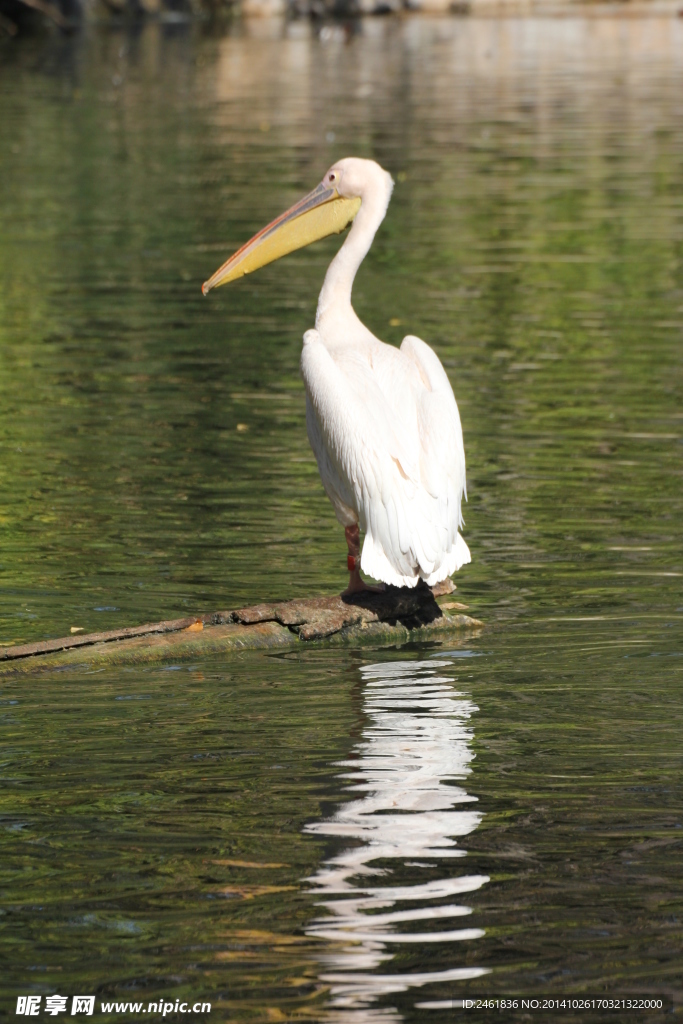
(335, 295)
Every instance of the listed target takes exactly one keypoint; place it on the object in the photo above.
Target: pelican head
(327, 210)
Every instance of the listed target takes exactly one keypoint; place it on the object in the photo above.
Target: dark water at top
(349, 836)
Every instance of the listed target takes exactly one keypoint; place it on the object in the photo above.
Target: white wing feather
(386, 433)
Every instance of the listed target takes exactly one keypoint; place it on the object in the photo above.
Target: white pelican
(383, 422)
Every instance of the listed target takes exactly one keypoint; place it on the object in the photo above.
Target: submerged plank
(67, 642)
(391, 616)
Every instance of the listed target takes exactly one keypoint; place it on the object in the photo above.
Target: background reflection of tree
(416, 743)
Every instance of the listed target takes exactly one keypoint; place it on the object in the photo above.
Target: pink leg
(356, 584)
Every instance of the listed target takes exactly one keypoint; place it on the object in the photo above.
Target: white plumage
(383, 422)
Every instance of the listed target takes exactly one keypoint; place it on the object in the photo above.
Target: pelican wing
(385, 429)
(442, 448)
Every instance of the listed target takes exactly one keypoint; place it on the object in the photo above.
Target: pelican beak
(322, 212)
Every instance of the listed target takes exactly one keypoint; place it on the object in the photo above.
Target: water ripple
(415, 744)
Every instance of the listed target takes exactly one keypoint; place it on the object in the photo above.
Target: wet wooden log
(394, 615)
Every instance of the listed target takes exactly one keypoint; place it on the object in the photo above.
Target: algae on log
(390, 616)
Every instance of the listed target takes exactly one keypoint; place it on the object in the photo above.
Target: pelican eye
(332, 176)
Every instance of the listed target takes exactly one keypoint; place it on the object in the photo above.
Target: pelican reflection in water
(415, 745)
(382, 421)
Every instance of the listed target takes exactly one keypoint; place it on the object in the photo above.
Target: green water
(535, 240)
